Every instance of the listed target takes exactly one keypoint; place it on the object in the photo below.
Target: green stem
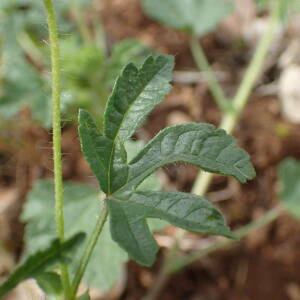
(79, 18)
(56, 91)
(229, 120)
(173, 263)
(88, 250)
(231, 117)
(204, 66)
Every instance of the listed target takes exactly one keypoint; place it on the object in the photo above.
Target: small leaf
(198, 17)
(50, 283)
(95, 148)
(111, 169)
(128, 219)
(40, 261)
(136, 93)
(198, 144)
(289, 195)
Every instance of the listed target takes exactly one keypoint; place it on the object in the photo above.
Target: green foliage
(199, 144)
(29, 14)
(106, 263)
(88, 72)
(129, 212)
(42, 261)
(289, 176)
(197, 17)
(135, 94)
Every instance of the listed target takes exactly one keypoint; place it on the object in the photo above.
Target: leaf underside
(37, 263)
(198, 17)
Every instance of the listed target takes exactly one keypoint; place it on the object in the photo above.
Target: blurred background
(97, 38)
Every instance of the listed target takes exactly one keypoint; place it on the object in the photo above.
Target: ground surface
(264, 266)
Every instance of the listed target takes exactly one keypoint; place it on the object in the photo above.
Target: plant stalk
(240, 233)
(231, 117)
(174, 263)
(79, 18)
(204, 66)
(56, 123)
(89, 250)
(228, 122)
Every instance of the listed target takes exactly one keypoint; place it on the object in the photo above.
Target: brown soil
(264, 266)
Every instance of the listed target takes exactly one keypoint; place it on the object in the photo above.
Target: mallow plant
(136, 92)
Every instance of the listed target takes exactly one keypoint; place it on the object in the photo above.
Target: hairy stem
(56, 123)
(203, 65)
(89, 250)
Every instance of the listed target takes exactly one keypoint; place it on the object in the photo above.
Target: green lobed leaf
(199, 144)
(135, 94)
(128, 219)
(94, 147)
(289, 176)
(111, 169)
(198, 17)
(37, 263)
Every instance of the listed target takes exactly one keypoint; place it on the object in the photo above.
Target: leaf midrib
(118, 130)
(151, 207)
(132, 233)
(169, 160)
